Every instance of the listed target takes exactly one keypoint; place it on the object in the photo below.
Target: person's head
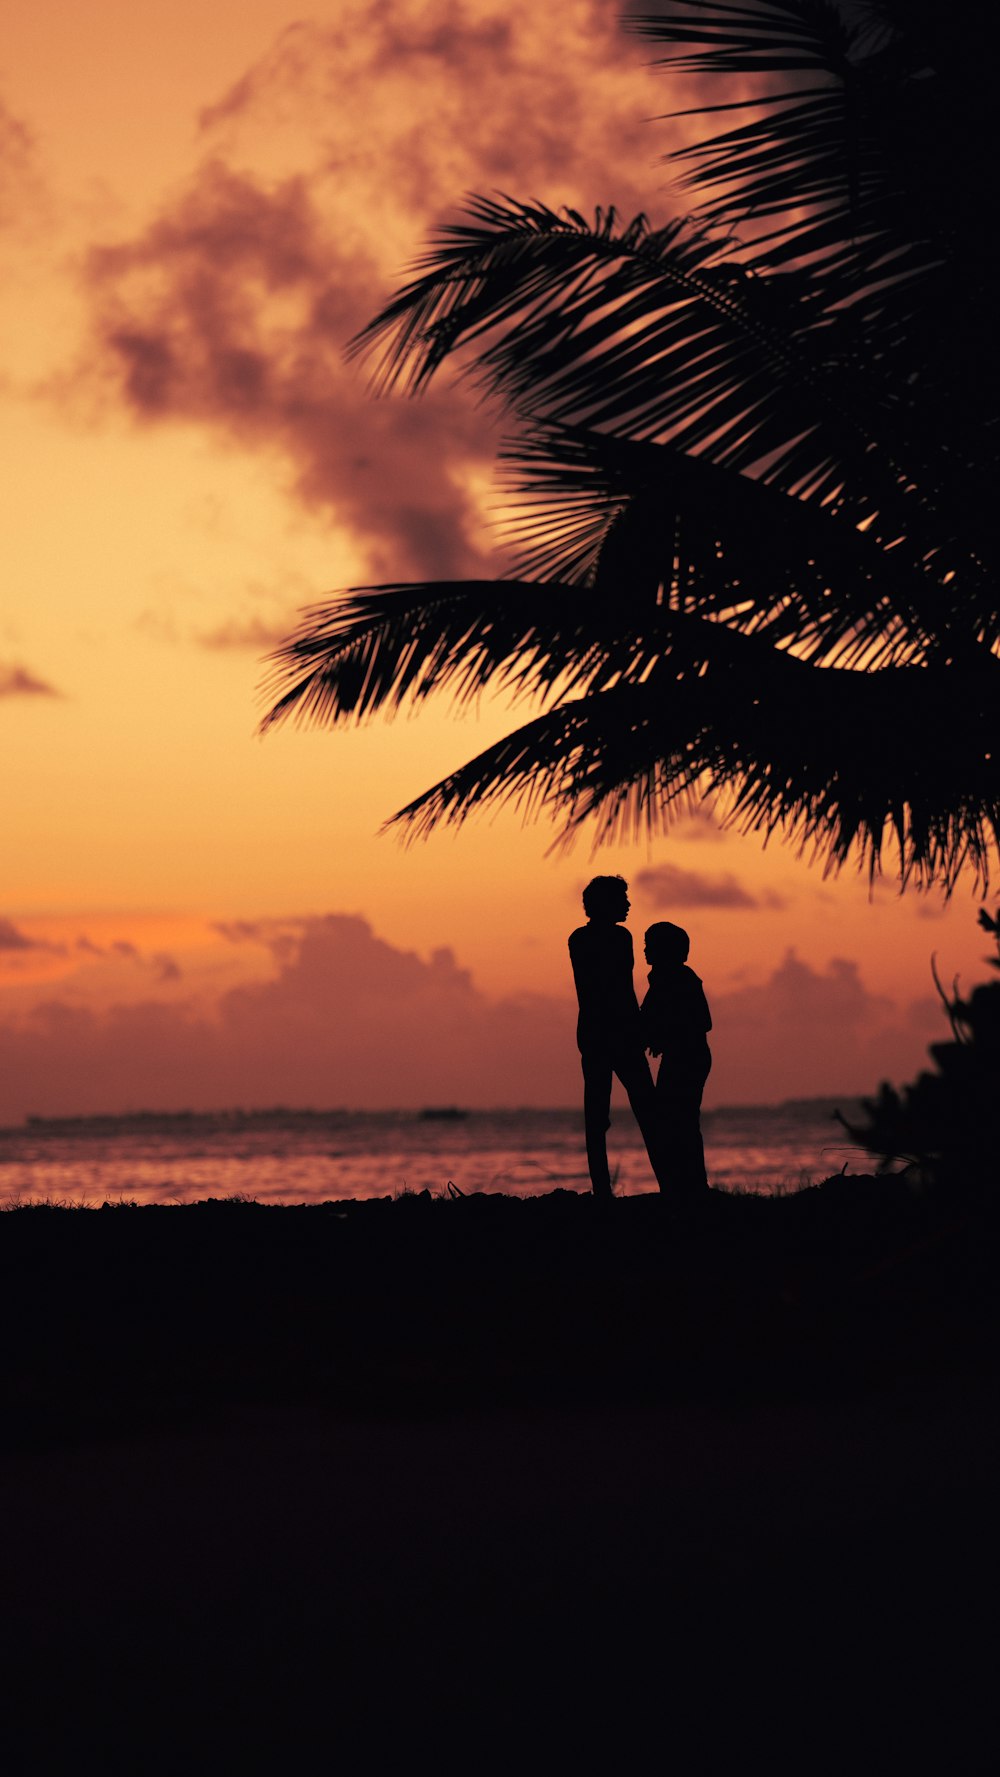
(667, 944)
(606, 898)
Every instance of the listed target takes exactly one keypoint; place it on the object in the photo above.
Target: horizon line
(442, 1112)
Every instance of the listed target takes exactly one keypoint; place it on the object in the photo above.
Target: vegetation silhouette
(754, 455)
(944, 1124)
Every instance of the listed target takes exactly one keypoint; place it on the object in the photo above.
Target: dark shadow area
(496, 1478)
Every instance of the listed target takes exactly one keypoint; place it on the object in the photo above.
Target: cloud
(17, 681)
(346, 1020)
(23, 194)
(326, 165)
(242, 931)
(279, 936)
(164, 967)
(13, 940)
(233, 311)
(248, 632)
(670, 886)
(806, 1032)
(16, 141)
(699, 824)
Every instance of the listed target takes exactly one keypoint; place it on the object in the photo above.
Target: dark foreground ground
(501, 1482)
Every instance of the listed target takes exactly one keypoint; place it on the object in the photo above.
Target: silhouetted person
(609, 1030)
(675, 1025)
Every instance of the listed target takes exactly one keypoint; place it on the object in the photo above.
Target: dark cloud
(162, 965)
(233, 310)
(445, 38)
(233, 307)
(280, 936)
(460, 93)
(15, 942)
(347, 1020)
(13, 939)
(17, 681)
(670, 886)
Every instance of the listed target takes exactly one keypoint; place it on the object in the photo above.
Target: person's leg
(699, 1176)
(666, 1114)
(679, 1092)
(597, 1118)
(633, 1071)
(692, 1146)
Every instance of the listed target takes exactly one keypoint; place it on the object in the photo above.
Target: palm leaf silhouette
(752, 472)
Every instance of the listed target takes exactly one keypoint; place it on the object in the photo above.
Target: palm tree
(754, 460)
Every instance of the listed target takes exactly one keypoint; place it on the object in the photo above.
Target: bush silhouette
(944, 1123)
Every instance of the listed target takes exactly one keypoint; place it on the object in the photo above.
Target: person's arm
(628, 962)
(577, 960)
(651, 1036)
(693, 1011)
(572, 953)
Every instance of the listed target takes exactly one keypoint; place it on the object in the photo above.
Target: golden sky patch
(238, 189)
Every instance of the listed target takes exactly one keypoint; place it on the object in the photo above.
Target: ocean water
(306, 1157)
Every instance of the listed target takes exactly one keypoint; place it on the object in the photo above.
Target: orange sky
(197, 209)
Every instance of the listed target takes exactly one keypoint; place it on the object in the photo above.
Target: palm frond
(376, 648)
(820, 755)
(813, 145)
(754, 476)
(622, 514)
(379, 648)
(658, 336)
(866, 130)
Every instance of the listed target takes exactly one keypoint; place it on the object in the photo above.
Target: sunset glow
(197, 211)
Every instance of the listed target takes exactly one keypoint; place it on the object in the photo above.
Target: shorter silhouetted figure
(609, 1030)
(675, 1025)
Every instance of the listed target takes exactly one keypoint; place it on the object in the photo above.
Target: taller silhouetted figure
(609, 1031)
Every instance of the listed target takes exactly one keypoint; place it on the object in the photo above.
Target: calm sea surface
(296, 1157)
